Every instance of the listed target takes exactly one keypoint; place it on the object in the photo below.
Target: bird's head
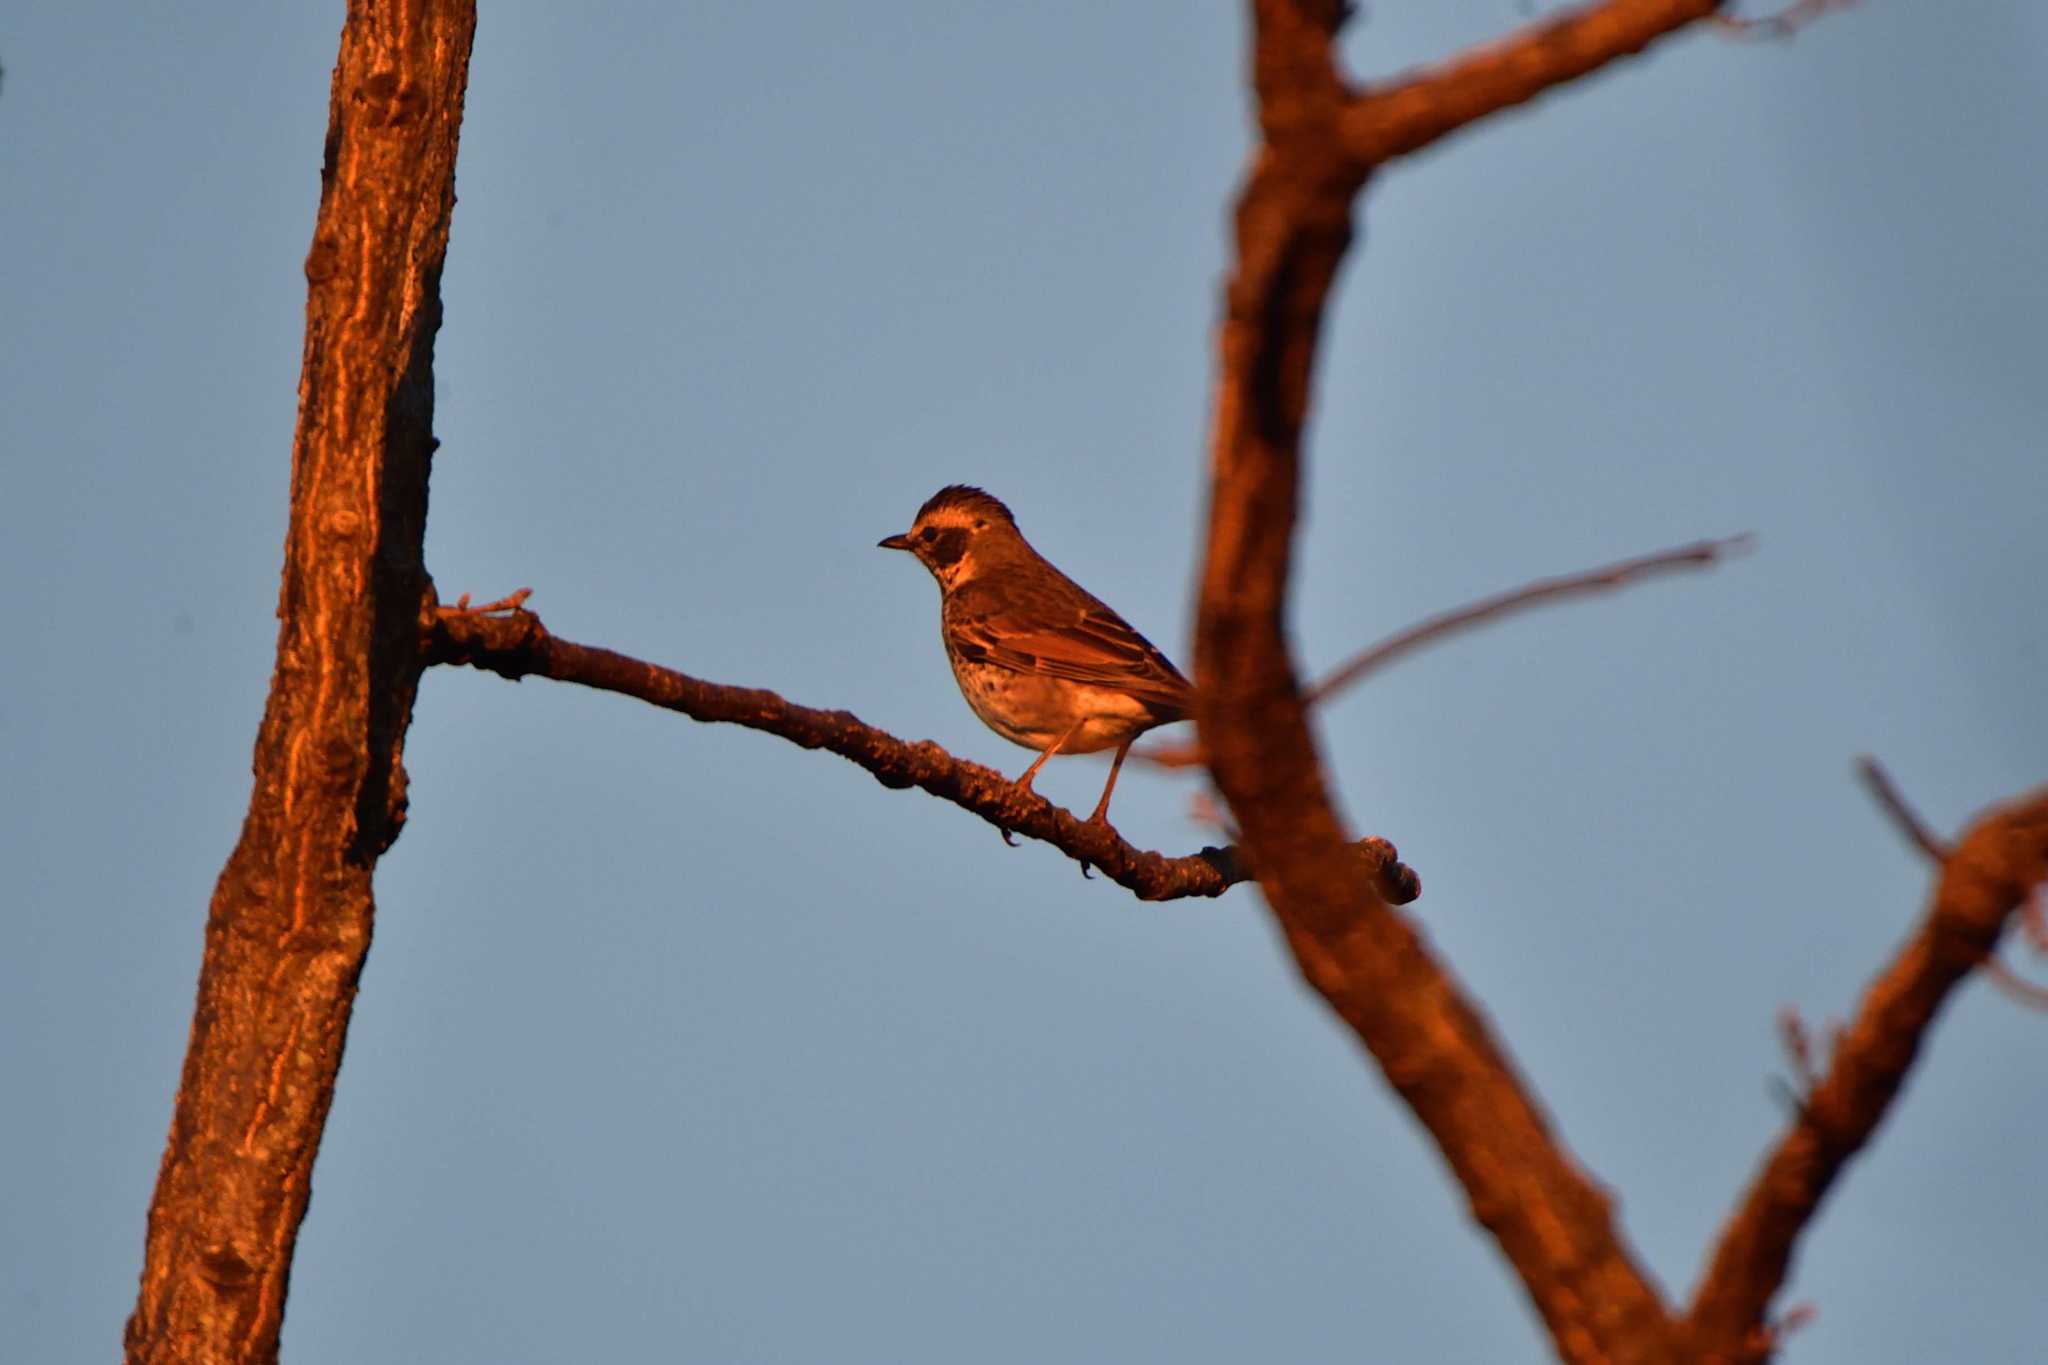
(958, 532)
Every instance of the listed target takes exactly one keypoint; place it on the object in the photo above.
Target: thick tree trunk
(290, 920)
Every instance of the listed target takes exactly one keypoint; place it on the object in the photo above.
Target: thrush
(1042, 660)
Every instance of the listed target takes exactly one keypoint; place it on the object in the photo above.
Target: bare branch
(1699, 555)
(1917, 831)
(1412, 111)
(1922, 836)
(515, 644)
(1784, 24)
(1293, 226)
(2016, 986)
(1798, 1050)
(1984, 882)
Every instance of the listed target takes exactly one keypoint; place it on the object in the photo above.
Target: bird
(1040, 659)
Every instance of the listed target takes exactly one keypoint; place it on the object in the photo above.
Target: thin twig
(1783, 24)
(1798, 1049)
(1922, 836)
(1700, 555)
(2014, 985)
(1917, 831)
(2034, 921)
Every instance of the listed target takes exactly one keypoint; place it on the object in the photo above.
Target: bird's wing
(1057, 628)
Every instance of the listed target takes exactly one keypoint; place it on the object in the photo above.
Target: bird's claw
(1006, 836)
(1086, 875)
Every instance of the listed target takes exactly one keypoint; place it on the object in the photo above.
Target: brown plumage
(1042, 661)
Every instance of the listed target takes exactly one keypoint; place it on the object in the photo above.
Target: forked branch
(2033, 922)
(1293, 226)
(1985, 880)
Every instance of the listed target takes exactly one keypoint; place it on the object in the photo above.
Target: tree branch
(1922, 836)
(1609, 577)
(1412, 111)
(1886, 792)
(1292, 229)
(1985, 880)
(1404, 642)
(290, 920)
(516, 645)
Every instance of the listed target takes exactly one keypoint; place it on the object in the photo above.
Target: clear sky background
(680, 1043)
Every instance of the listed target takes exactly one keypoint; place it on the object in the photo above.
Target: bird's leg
(1039, 762)
(1102, 806)
(1051, 749)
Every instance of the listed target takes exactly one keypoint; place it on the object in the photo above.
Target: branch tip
(1700, 554)
(2015, 986)
(510, 603)
(1785, 24)
(1798, 1048)
(1886, 793)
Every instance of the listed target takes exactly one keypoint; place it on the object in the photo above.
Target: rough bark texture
(290, 919)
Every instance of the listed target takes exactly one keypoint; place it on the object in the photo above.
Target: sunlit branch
(1318, 146)
(506, 639)
(1404, 115)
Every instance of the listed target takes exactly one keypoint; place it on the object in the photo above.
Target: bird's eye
(981, 526)
(927, 535)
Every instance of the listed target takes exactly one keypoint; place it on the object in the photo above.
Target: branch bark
(1984, 882)
(1412, 111)
(290, 919)
(1293, 225)
(517, 645)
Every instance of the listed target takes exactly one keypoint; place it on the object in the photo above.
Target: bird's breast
(1033, 710)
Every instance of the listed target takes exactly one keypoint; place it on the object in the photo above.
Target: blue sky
(678, 1041)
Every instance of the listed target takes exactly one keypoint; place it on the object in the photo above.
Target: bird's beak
(893, 543)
